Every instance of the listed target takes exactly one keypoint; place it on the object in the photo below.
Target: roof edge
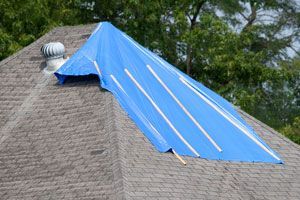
(273, 131)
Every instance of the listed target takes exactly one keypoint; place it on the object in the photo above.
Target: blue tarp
(174, 111)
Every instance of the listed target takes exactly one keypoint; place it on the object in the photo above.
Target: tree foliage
(246, 50)
(23, 21)
(292, 131)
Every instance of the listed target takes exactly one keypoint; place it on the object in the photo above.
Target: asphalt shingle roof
(75, 142)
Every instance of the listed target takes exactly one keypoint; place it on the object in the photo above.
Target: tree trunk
(189, 49)
(189, 60)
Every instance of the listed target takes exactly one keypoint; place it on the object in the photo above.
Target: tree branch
(252, 17)
(188, 16)
(244, 16)
(295, 50)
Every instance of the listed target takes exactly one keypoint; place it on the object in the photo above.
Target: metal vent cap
(53, 50)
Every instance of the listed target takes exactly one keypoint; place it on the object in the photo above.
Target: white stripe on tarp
(245, 131)
(98, 27)
(213, 101)
(184, 109)
(156, 134)
(161, 113)
(118, 84)
(97, 68)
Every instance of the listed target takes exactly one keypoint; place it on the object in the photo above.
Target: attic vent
(54, 53)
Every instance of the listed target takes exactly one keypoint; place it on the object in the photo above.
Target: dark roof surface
(75, 142)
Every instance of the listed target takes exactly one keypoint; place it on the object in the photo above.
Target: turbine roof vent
(54, 53)
(53, 50)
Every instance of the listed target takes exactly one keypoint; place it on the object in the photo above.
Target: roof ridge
(78, 25)
(117, 167)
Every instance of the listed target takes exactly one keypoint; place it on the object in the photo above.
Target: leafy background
(246, 50)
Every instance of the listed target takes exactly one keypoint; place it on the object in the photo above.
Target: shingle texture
(75, 142)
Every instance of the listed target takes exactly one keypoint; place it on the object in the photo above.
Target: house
(74, 141)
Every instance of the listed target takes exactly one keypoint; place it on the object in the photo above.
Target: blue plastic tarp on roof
(174, 111)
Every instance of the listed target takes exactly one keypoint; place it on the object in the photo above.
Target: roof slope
(75, 142)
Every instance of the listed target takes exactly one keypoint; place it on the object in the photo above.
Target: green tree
(23, 21)
(7, 45)
(292, 131)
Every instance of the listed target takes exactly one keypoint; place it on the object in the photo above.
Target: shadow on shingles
(81, 81)
(42, 65)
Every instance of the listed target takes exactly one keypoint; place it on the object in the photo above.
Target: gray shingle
(75, 142)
